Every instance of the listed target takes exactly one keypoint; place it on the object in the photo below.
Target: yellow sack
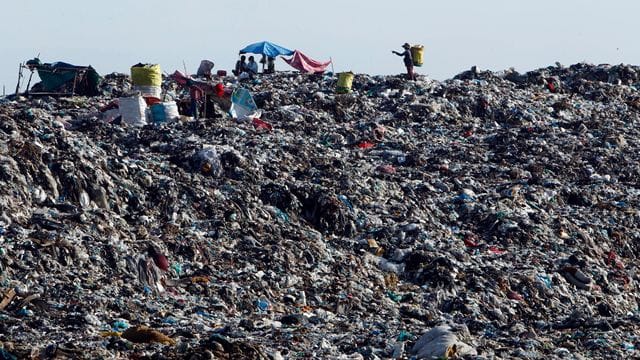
(417, 53)
(146, 75)
(345, 80)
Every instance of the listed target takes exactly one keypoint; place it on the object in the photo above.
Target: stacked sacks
(147, 80)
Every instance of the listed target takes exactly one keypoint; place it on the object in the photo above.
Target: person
(197, 95)
(554, 84)
(263, 61)
(241, 66)
(271, 66)
(408, 60)
(252, 66)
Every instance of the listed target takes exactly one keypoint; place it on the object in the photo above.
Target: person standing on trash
(271, 66)
(553, 84)
(408, 60)
(196, 94)
(263, 61)
(241, 66)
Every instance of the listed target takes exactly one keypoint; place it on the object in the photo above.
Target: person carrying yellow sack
(408, 60)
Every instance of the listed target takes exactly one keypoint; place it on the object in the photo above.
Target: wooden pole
(29, 82)
(204, 110)
(75, 78)
(19, 78)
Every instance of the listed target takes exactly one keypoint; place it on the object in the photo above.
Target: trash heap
(492, 215)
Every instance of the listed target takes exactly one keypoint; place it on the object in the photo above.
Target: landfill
(489, 216)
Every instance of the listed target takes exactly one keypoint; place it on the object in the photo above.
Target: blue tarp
(266, 48)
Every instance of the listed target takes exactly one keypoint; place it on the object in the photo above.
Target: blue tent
(266, 48)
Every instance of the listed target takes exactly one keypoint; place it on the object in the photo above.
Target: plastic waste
(441, 342)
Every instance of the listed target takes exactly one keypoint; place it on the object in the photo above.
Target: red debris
(494, 249)
(159, 259)
(514, 295)
(470, 240)
(387, 169)
(612, 260)
(365, 144)
(261, 125)
(219, 89)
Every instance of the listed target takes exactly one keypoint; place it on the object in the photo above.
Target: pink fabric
(180, 78)
(304, 63)
(198, 88)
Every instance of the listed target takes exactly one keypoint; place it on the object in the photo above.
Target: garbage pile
(493, 215)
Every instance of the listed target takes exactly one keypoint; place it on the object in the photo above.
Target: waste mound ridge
(498, 208)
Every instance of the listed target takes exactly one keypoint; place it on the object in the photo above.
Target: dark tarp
(61, 77)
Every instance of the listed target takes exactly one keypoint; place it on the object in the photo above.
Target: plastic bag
(132, 110)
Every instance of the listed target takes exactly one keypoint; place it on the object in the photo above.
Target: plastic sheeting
(61, 76)
(306, 64)
(266, 48)
(242, 103)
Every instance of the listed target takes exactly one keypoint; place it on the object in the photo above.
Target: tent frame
(79, 71)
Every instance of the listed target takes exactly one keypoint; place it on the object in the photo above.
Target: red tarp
(304, 63)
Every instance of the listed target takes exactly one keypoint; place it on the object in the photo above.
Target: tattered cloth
(304, 63)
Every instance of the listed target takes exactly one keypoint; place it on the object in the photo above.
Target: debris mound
(495, 212)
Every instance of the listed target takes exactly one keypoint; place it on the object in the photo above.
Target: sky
(357, 35)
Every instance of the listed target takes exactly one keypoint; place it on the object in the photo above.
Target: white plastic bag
(148, 90)
(132, 110)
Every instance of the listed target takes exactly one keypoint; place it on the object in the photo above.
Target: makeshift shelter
(60, 78)
(266, 48)
(306, 64)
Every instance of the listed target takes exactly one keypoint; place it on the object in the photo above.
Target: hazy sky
(358, 35)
